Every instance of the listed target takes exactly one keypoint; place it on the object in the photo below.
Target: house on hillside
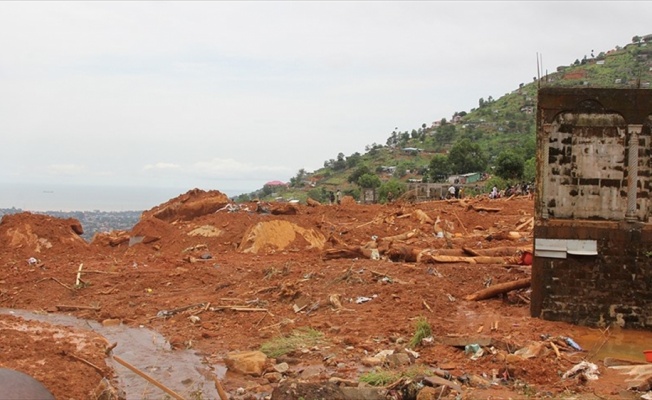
(276, 184)
(411, 150)
(463, 179)
(528, 109)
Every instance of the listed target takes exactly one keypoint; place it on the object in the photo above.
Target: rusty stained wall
(587, 168)
(594, 185)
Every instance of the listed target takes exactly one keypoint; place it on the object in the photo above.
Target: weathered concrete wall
(613, 287)
(593, 184)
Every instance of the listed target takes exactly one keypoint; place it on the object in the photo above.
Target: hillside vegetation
(496, 138)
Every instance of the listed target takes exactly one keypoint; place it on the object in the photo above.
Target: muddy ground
(216, 278)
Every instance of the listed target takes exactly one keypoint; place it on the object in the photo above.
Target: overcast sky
(228, 95)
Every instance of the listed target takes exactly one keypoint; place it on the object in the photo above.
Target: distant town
(92, 221)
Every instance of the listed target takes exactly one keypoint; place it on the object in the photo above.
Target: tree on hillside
(296, 180)
(355, 175)
(466, 156)
(340, 164)
(445, 133)
(353, 160)
(509, 165)
(439, 168)
(369, 181)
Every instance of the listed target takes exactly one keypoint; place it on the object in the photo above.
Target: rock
(311, 371)
(282, 367)
(328, 390)
(312, 203)
(398, 360)
(513, 358)
(371, 362)
(438, 381)
(247, 362)
(111, 322)
(428, 393)
(273, 377)
(477, 381)
(532, 350)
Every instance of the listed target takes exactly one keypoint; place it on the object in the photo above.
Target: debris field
(403, 300)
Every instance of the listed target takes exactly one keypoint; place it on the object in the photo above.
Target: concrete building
(592, 236)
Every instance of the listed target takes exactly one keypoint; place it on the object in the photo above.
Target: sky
(222, 95)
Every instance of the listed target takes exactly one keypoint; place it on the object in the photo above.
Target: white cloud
(162, 166)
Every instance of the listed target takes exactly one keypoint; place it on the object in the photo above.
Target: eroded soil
(217, 278)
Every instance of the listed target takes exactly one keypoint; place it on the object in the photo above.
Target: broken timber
(501, 288)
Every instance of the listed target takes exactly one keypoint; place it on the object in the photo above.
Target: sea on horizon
(57, 197)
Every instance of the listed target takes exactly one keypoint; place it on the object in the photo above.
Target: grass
(383, 377)
(380, 377)
(299, 338)
(422, 331)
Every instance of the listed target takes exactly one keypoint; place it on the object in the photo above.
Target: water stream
(180, 370)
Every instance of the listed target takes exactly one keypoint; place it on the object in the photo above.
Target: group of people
(335, 198)
(455, 192)
(522, 189)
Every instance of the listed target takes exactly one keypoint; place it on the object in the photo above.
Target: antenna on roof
(538, 73)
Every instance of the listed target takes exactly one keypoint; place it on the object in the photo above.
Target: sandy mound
(190, 205)
(35, 234)
(110, 239)
(278, 235)
(149, 230)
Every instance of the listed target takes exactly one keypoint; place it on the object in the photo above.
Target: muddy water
(617, 343)
(180, 370)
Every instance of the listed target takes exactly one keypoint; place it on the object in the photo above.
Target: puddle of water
(179, 370)
(622, 344)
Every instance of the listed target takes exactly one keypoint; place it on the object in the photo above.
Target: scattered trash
(382, 355)
(362, 299)
(164, 314)
(412, 353)
(475, 350)
(572, 343)
(585, 369)
(32, 261)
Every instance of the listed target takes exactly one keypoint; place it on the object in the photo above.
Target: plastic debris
(475, 350)
(572, 344)
(585, 368)
(362, 299)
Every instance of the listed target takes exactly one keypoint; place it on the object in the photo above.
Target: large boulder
(278, 235)
(188, 206)
(246, 362)
(34, 234)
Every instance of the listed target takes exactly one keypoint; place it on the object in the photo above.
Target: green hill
(497, 137)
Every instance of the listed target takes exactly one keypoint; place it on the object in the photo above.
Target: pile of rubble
(229, 279)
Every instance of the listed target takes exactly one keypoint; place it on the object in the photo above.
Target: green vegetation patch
(383, 377)
(299, 338)
(422, 331)
(380, 377)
